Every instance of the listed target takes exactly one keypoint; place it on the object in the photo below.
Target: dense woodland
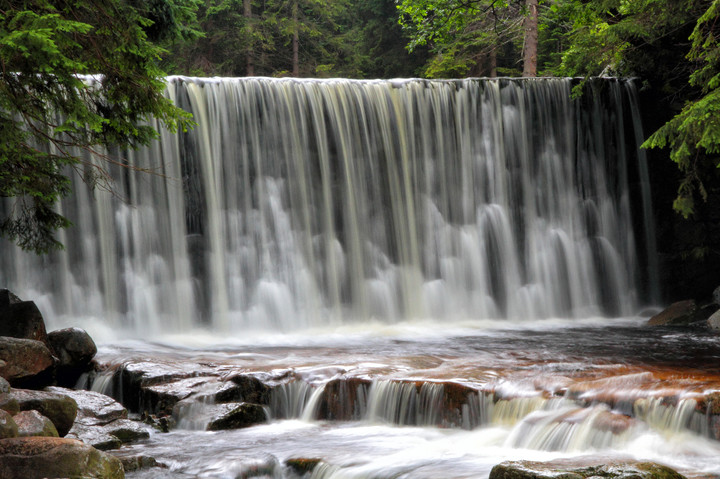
(670, 46)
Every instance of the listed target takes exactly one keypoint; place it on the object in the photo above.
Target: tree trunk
(493, 61)
(249, 55)
(295, 41)
(531, 40)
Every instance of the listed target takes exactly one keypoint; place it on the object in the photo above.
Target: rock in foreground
(23, 359)
(583, 468)
(60, 409)
(40, 457)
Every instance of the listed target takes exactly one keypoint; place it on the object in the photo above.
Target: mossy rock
(40, 457)
(583, 468)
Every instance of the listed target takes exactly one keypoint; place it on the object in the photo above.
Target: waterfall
(297, 203)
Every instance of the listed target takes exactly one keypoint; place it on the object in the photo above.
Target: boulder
(26, 360)
(59, 408)
(235, 416)
(20, 319)
(8, 426)
(713, 321)
(7, 298)
(75, 350)
(101, 421)
(582, 468)
(677, 314)
(72, 346)
(32, 423)
(42, 457)
(4, 385)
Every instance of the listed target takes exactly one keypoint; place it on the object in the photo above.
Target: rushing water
(295, 204)
(437, 253)
(558, 389)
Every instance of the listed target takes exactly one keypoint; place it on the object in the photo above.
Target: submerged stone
(583, 468)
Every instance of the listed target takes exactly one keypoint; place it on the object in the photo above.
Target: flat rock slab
(41, 457)
(111, 435)
(93, 408)
(583, 468)
(59, 408)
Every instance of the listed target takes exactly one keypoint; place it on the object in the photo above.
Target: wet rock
(59, 408)
(302, 465)
(4, 385)
(8, 426)
(677, 314)
(235, 416)
(111, 435)
(9, 404)
(95, 436)
(127, 430)
(75, 350)
(162, 398)
(20, 319)
(581, 468)
(136, 463)
(32, 423)
(340, 399)
(245, 388)
(713, 321)
(101, 421)
(93, 408)
(41, 457)
(7, 298)
(153, 386)
(26, 361)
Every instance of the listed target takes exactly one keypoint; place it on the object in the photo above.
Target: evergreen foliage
(50, 115)
(673, 47)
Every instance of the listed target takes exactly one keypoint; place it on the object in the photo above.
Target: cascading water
(302, 203)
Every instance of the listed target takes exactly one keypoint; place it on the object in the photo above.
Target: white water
(297, 204)
(617, 391)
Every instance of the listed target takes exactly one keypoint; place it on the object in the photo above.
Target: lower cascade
(302, 203)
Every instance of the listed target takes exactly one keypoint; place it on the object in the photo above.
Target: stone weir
(559, 402)
(306, 203)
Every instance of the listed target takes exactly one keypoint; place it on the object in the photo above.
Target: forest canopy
(49, 47)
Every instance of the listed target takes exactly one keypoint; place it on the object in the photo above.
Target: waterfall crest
(305, 203)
